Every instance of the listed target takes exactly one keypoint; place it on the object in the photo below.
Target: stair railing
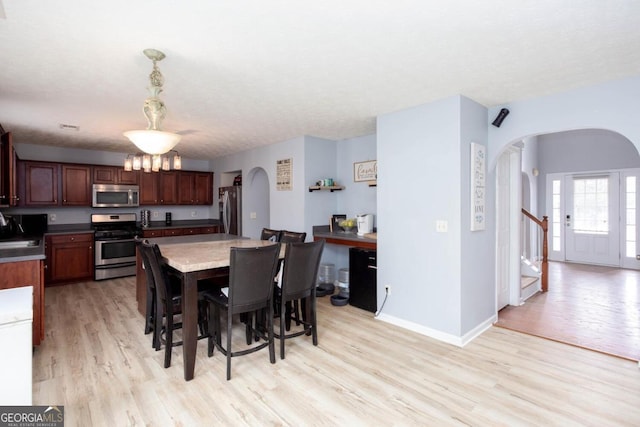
(544, 267)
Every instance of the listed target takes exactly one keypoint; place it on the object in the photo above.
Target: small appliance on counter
(167, 218)
(145, 218)
(365, 224)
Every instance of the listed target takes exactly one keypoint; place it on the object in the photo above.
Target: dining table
(194, 258)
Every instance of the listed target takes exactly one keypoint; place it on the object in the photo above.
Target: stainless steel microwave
(115, 196)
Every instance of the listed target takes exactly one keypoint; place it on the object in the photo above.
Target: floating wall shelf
(330, 188)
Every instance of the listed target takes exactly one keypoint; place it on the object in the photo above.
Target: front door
(592, 219)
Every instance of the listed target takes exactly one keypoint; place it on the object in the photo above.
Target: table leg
(189, 323)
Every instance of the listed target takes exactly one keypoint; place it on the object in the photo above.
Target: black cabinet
(362, 279)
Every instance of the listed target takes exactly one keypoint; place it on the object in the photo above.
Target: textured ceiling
(240, 74)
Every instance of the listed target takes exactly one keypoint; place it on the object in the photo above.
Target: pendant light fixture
(153, 142)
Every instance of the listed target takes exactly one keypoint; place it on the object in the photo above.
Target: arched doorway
(256, 202)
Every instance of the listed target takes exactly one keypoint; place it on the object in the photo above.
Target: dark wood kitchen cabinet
(159, 188)
(69, 258)
(76, 185)
(8, 181)
(38, 183)
(168, 187)
(42, 183)
(148, 188)
(195, 188)
(114, 175)
(27, 273)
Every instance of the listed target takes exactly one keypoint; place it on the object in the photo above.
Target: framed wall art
(365, 171)
(284, 175)
(478, 178)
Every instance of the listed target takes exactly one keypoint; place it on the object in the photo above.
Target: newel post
(545, 253)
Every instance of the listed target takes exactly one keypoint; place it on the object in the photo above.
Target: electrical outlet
(387, 289)
(442, 226)
(194, 214)
(253, 215)
(52, 217)
(155, 214)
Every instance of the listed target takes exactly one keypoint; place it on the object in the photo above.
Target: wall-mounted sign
(478, 172)
(365, 171)
(284, 175)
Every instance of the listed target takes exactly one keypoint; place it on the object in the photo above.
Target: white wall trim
(439, 335)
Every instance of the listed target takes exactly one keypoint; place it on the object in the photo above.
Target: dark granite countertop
(37, 251)
(183, 223)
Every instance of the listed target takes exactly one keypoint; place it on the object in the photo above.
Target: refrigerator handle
(225, 211)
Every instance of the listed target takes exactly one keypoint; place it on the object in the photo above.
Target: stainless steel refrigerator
(231, 209)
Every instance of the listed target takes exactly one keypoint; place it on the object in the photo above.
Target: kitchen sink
(19, 244)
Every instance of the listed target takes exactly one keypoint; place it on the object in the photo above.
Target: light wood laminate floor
(96, 361)
(591, 306)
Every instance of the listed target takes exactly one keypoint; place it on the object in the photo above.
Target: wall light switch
(442, 226)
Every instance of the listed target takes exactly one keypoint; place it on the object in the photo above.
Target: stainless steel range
(115, 247)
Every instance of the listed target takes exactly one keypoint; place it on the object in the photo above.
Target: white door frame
(508, 207)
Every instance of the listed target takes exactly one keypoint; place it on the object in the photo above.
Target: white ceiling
(240, 74)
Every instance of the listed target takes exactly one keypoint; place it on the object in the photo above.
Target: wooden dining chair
(291, 306)
(270, 234)
(292, 236)
(167, 301)
(301, 263)
(251, 273)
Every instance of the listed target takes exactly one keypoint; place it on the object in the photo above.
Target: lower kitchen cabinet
(184, 231)
(27, 273)
(70, 258)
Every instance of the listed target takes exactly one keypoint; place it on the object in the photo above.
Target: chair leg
(168, 341)
(282, 332)
(212, 330)
(249, 328)
(228, 346)
(157, 327)
(314, 321)
(148, 323)
(272, 349)
(287, 315)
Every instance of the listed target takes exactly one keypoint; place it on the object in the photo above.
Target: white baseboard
(439, 335)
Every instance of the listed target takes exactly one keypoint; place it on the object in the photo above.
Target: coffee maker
(365, 223)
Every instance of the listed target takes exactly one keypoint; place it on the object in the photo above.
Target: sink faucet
(3, 221)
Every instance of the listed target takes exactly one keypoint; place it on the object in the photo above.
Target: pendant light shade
(153, 140)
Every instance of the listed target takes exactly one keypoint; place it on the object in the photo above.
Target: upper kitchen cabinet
(159, 188)
(76, 185)
(168, 187)
(114, 175)
(41, 184)
(8, 182)
(38, 183)
(195, 188)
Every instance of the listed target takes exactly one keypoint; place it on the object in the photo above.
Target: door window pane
(591, 205)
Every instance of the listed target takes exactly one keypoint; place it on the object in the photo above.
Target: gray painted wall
(477, 261)
(582, 150)
(419, 182)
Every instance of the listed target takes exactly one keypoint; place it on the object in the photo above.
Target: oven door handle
(116, 240)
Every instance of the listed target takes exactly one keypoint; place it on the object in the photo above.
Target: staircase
(530, 276)
(534, 274)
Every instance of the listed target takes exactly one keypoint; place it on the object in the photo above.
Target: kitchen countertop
(343, 238)
(183, 223)
(37, 252)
